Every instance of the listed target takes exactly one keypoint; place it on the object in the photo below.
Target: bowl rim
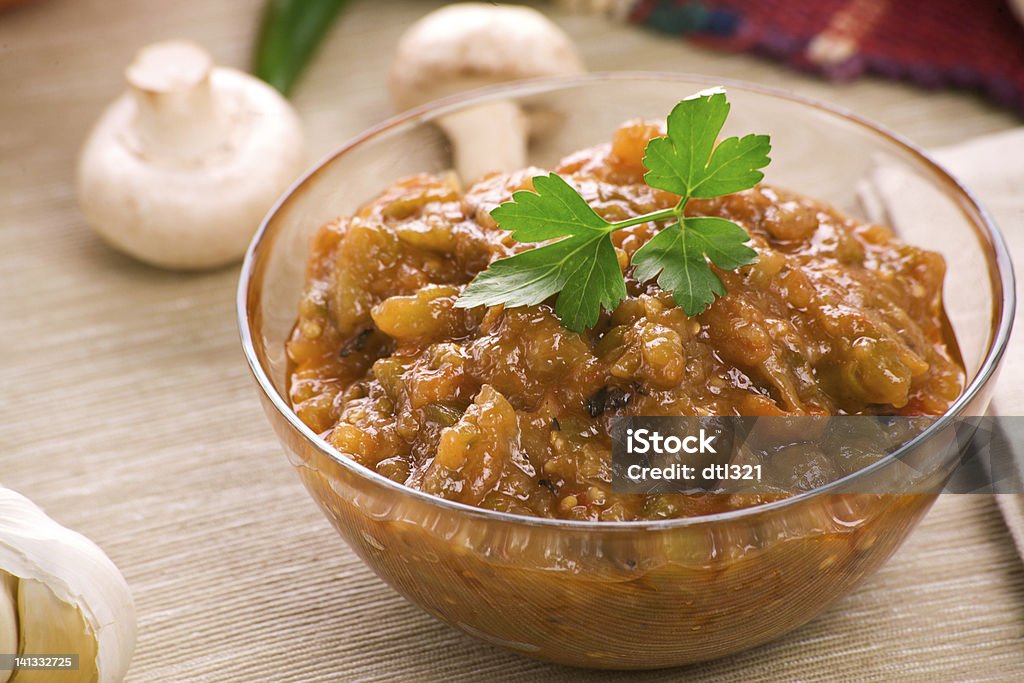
(967, 203)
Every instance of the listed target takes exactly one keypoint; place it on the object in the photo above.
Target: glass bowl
(626, 594)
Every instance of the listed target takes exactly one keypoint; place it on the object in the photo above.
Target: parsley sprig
(579, 263)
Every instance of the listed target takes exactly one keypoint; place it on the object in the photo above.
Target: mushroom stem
(486, 138)
(177, 116)
(471, 44)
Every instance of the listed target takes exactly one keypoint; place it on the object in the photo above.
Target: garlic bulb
(8, 619)
(59, 595)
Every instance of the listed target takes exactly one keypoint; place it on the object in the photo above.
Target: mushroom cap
(472, 44)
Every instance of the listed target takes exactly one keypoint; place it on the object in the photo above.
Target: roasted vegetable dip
(505, 409)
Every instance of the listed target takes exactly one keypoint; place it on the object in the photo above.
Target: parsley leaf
(553, 209)
(677, 256)
(579, 263)
(582, 267)
(688, 163)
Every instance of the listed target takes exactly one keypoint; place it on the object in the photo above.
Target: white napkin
(992, 168)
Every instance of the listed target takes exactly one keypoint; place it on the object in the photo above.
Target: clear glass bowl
(629, 594)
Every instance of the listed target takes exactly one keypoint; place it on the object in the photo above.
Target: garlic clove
(8, 619)
(60, 572)
(56, 626)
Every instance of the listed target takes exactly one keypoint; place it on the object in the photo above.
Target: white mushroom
(180, 170)
(473, 44)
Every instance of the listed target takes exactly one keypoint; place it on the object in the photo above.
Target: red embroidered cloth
(977, 44)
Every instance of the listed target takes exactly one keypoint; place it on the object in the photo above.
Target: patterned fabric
(975, 44)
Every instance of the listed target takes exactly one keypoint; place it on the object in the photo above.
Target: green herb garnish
(581, 266)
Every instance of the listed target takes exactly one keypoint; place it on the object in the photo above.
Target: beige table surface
(128, 413)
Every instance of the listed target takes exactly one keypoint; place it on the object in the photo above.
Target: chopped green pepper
(290, 32)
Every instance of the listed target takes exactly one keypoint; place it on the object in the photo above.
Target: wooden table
(128, 413)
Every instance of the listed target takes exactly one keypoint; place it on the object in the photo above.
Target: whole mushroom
(180, 170)
(474, 44)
